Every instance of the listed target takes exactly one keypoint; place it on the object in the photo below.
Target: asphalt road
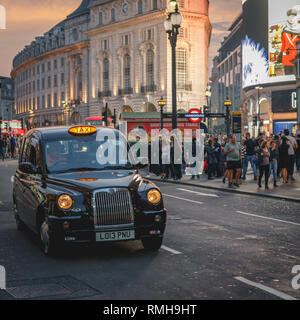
(217, 246)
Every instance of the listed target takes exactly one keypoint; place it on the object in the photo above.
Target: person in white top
(293, 145)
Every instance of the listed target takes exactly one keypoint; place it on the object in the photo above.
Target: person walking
(292, 154)
(232, 151)
(264, 166)
(218, 149)
(12, 146)
(194, 166)
(250, 146)
(274, 159)
(284, 158)
(2, 148)
(211, 158)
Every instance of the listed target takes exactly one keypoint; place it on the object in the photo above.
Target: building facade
(7, 110)
(114, 52)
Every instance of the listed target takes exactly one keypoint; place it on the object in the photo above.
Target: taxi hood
(92, 180)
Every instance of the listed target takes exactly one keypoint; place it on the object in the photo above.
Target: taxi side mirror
(28, 167)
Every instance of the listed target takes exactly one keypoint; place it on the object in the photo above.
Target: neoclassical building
(115, 52)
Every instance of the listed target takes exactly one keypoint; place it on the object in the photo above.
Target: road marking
(171, 250)
(169, 195)
(265, 288)
(262, 217)
(200, 193)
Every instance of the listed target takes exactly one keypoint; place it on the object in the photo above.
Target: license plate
(115, 235)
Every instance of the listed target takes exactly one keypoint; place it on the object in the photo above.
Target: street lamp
(172, 24)
(258, 103)
(161, 103)
(227, 104)
(208, 98)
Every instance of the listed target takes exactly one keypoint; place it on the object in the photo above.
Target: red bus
(97, 121)
(12, 127)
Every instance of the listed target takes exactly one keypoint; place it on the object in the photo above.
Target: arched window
(140, 7)
(113, 15)
(150, 69)
(105, 75)
(154, 5)
(181, 68)
(126, 71)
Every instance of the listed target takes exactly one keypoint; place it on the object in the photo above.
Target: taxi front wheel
(49, 245)
(153, 244)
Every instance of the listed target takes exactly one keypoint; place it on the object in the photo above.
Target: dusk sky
(27, 19)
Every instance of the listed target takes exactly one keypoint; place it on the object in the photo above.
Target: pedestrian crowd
(276, 156)
(9, 146)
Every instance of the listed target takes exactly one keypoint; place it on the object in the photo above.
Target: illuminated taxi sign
(82, 130)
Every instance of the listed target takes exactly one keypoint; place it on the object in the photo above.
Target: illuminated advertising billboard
(269, 48)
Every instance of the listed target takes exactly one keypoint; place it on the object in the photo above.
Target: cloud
(27, 19)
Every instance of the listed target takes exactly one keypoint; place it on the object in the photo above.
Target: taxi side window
(29, 152)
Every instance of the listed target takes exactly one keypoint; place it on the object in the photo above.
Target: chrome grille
(112, 207)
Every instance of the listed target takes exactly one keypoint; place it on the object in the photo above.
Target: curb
(271, 196)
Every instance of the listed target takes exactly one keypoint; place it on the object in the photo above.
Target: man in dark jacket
(250, 146)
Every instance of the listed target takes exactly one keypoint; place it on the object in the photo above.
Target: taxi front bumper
(81, 229)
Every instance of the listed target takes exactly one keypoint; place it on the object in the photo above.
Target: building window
(43, 68)
(62, 79)
(49, 66)
(126, 40)
(126, 71)
(55, 99)
(181, 68)
(38, 69)
(62, 97)
(38, 102)
(105, 44)
(38, 84)
(55, 80)
(49, 101)
(105, 75)
(150, 68)
(43, 101)
(49, 82)
(55, 64)
(62, 62)
(113, 15)
(154, 5)
(101, 18)
(140, 7)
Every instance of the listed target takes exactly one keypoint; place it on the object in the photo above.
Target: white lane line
(168, 195)
(265, 288)
(200, 193)
(262, 217)
(170, 250)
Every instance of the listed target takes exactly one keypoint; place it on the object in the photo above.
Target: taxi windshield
(85, 153)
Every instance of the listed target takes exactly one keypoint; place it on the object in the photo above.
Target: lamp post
(161, 103)
(228, 104)
(172, 24)
(208, 98)
(258, 105)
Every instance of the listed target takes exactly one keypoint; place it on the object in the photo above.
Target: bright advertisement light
(277, 63)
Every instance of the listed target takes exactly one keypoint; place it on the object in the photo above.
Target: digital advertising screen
(269, 48)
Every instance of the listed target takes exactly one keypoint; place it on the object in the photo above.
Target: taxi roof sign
(82, 130)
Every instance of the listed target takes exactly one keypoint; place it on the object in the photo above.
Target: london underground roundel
(198, 115)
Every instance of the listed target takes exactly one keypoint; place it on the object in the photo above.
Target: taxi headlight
(153, 196)
(65, 202)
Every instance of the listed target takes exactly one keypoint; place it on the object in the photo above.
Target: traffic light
(105, 115)
(206, 109)
(261, 122)
(254, 121)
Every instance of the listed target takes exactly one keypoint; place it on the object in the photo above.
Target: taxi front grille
(112, 207)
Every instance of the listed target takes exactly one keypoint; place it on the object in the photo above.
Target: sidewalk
(289, 192)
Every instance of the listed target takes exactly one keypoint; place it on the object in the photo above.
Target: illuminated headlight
(153, 196)
(65, 202)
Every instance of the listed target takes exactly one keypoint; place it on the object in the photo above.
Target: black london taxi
(67, 190)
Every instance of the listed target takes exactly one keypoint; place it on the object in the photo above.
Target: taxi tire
(152, 244)
(52, 248)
